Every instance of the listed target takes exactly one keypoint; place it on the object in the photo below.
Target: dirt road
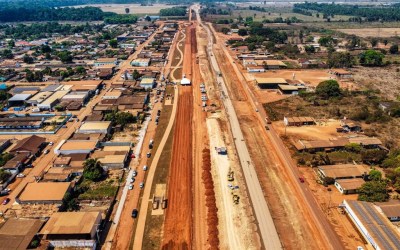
(178, 219)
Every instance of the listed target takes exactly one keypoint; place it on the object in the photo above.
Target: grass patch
(98, 191)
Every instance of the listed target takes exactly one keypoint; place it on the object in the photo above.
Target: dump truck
(236, 199)
(230, 176)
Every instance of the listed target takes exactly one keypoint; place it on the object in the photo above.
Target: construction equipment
(230, 175)
(236, 199)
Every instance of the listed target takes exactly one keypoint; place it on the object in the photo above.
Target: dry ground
(372, 32)
(134, 8)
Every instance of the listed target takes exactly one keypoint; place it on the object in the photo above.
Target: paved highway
(266, 225)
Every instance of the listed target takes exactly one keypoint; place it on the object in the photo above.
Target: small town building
(43, 193)
(32, 145)
(52, 100)
(17, 234)
(350, 125)
(298, 121)
(115, 94)
(147, 83)
(343, 171)
(185, 81)
(141, 62)
(18, 100)
(255, 69)
(342, 74)
(290, 89)
(72, 230)
(349, 186)
(391, 210)
(269, 83)
(95, 127)
(376, 229)
(75, 147)
(106, 61)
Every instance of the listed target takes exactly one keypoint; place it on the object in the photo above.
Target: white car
(141, 185)
(51, 143)
(134, 173)
(130, 187)
(132, 180)
(20, 175)
(145, 168)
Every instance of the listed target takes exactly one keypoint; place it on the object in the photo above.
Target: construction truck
(230, 175)
(236, 199)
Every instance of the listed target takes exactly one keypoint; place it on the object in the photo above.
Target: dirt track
(178, 220)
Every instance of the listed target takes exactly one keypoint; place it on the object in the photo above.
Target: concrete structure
(141, 62)
(101, 127)
(185, 81)
(113, 161)
(51, 101)
(112, 95)
(72, 230)
(337, 143)
(18, 100)
(105, 61)
(290, 89)
(17, 234)
(391, 210)
(374, 227)
(342, 74)
(349, 186)
(76, 147)
(39, 98)
(43, 193)
(147, 83)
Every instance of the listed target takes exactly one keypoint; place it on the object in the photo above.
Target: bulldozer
(236, 199)
(230, 175)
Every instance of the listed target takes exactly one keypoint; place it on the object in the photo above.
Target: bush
(328, 89)
(373, 191)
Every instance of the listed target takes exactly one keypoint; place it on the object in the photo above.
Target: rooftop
(262, 80)
(18, 233)
(44, 191)
(79, 145)
(71, 223)
(95, 125)
(343, 170)
(350, 184)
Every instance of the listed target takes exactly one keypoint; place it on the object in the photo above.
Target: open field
(134, 8)
(372, 32)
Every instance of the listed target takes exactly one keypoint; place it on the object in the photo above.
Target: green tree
(4, 175)
(65, 56)
(242, 32)
(340, 60)
(80, 70)
(28, 59)
(353, 147)
(127, 10)
(7, 54)
(11, 43)
(371, 58)
(92, 169)
(373, 191)
(136, 75)
(225, 30)
(45, 49)
(251, 46)
(394, 49)
(375, 175)
(394, 176)
(328, 89)
(373, 156)
(374, 42)
(113, 43)
(234, 26)
(326, 41)
(309, 49)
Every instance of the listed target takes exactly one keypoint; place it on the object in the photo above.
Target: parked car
(148, 155)
(51, 143)
(135, 213)
(301, 179)
(130, 187)
(141, 185)
(134, 173)
(6, 201)
(145, 168)
(46, 151)
(20, 175)
(132, 180)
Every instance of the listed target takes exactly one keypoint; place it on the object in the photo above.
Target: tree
(174, 11)
(374, 42)
(394, 49)
(127, 10)
(225, 30)
(326, 41)
(28, 59)
(136, 75)
(340, 60)
(45, 49)
(11, 43)
(120, 118)
(4, 175)
(242, 32)
(375, 175)
(328, 89)
(234, 26)
(7, 54)
(353, 147)
(80, 70)
(251, 46)
(65, 56)
(371, 58)
(92, 169)
(113, 43)
(148, 18)
(394, 176)
(373, 156)
(373, 191)
(309, 49)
